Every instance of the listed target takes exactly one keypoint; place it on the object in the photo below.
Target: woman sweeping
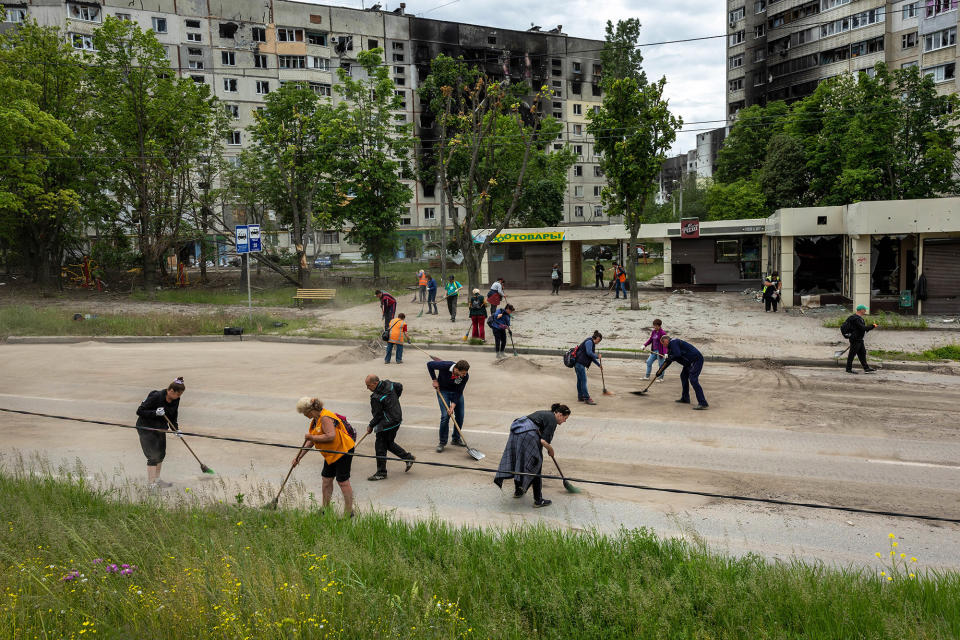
(153, 413)
(523, 456)
(328, 434)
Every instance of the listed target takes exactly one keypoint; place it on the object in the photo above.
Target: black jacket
(385, 406)
(477, 306)
(147, 411)
(546, 423)
(442, 372)
(858, 327)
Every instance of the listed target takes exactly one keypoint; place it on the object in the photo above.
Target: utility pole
(443, 234)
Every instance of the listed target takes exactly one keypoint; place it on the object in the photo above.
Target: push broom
(204, 468)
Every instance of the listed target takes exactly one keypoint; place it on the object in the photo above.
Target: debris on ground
(366, 351)
(764, 363)
(682, 291)
(945, 371)
(514, 363)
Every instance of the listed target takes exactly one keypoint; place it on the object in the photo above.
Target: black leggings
(154, 446)
(386, 442)
(536, 484)
(500, 339)
(452, 306)
(556, 286)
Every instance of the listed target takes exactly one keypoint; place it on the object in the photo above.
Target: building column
(765, 254)
(786, 271)
(916, 301)
(566, 264)
(667, 264)
(860, 254)
(484, 267)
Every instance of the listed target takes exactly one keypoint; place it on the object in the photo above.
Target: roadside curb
(534, 351)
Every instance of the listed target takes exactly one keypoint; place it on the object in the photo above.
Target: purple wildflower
(126, 572)
(112, 568)
(73, 575)
(97, 560)
(124, 566)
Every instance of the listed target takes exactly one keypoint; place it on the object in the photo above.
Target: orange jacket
(397, 330)
(341, 441)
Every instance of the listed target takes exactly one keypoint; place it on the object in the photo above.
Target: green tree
(297, 138)
(621, 58)
(374, 157)
(735, 200)
(151, 126)
(784, 178)
(39, 71)
(208, 181)
(745, 149)
(633, 131)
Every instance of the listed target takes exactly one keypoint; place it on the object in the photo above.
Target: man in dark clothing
(449, 379)
(388, 305)
(432, 296)
(692, 360)
(385, 407)
(855, 330)
(598, 272)
(586, 355)
(522, 458)
(771, 291)
(499, 322)
(153, 413)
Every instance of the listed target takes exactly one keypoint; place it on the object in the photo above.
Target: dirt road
(886, 442)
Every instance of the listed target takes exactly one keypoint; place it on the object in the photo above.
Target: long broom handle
(452, 419)
(434, 358)
(183, 440)
(287, 477)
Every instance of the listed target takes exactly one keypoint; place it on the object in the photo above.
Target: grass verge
(231, 571)
(29, 320)
(278, 297)
(884, 319)
(948, 352)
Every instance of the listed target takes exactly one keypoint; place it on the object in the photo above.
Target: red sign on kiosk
(690, 228)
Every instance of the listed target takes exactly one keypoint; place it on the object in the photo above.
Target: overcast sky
(695, 71)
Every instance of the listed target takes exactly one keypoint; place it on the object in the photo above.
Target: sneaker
(379, 475)
(410, 461)
(870, 370)
(852, 371)
(700, 407)
(659, 379)
(590, 401)
(542, 503)
(682, 401)
(457, 443)
(399, 361)
(646, 377)
(441, 447)
(580, 399)
(160, 484)
(386, 362)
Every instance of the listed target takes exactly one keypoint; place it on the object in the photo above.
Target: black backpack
(570, 357)
(846, 329)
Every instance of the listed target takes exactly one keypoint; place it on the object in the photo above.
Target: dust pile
(366, 351)
(945, 371)
(520, 365)
(764, 363)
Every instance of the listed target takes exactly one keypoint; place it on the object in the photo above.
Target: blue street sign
(256, 245)
(242, 235)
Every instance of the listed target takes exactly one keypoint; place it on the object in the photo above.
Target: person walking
(328, 434)
(522, 458)
(432, 296)
(388, 306)
(398, 335)
(692, 360)
(387, 416)
(450, 379)
(556, 278)
(478, 314)
(500, 324)
(586, 355)
(453, 292)
(495, 295)
(153, 413)
(422, 285)
(771, 291)
(598, 274)
(620, 280)
(855, 329)
(657, 352)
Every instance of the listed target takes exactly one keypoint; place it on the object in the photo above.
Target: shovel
(476, 455)
(837, 354)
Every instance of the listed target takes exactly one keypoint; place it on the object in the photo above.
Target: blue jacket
(682, 352)
(431, 285)
(442, 372)
(499, 320)
(586, 354)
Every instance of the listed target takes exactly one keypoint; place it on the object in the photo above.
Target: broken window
(160, 25)
(84, 13)
(292, 62)
(727, 251)
(260, 61)
(884, 266)
(317, 37)
(194, 37)
(818, 264)
(228, 29)
(289, 35)
(372, 44)
(192, 24)
(228, 58)
(259, 34)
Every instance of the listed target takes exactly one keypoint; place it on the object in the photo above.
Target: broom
(602, 379)
(566, 483)
(204, 468)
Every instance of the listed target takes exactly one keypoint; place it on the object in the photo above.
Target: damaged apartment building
(244, 49)
(781, 49)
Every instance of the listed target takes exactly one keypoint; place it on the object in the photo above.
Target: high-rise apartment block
(244, 49)
(781, 49)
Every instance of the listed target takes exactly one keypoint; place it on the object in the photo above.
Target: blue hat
(861, 307)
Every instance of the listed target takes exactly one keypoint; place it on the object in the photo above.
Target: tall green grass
(233, 571)
(280, 297)
(947, 352)
(29, 320)
(884, 319)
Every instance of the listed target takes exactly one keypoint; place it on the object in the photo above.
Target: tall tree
(374, 158)
(40, 72)
(744, 150)
(633, 130)
(151, 126)
(208, 181)
(621, 58)
(297, 139)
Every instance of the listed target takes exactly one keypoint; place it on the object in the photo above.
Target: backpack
(570, 357)
(476, 303)
(349, 427)
(846, 330)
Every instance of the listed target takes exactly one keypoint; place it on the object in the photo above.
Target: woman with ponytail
(153, 414)
(523, 456)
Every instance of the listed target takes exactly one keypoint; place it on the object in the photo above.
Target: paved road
(886, 442)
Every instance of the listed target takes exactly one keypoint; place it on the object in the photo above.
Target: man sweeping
(387, 416)
(692, 360)
(153, 412)
(523, 456)
(450, 379)
(388, 307)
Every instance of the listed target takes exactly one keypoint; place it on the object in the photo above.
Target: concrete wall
(667, 263)
(860, 256)
(786, 270)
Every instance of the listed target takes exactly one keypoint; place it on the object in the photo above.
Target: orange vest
(423, 280)
(621, 274)
(397, 327)
(341, 441)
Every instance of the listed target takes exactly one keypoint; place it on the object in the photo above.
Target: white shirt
(496, 286)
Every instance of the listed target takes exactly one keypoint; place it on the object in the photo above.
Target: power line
(489, 470)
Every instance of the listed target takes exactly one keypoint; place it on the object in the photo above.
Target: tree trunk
(376, 267)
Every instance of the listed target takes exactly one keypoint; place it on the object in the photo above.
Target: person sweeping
(523, 455)
(691, 360)
(154, 412)
(478, 315)
(328, 433)
(387, 416)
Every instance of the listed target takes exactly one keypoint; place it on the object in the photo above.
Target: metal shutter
(941, 266)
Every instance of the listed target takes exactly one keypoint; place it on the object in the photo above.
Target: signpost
(248, 241)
